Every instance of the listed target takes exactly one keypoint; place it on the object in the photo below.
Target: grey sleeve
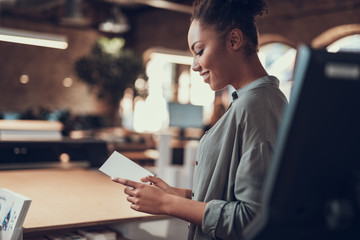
(225, 220)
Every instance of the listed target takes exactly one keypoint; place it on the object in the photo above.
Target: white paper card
(117, 165)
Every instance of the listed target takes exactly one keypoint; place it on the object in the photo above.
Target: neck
(250, 70)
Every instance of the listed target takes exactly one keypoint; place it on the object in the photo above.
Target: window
(346, 44)
(170, 79)
(278, 60)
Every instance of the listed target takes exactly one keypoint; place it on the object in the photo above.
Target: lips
(206, 76)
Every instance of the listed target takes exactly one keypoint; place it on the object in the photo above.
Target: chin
(216, 87)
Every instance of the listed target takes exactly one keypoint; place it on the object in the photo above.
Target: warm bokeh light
(68, 82)
(24, 79)
(140, 84)
(64, 158)
(126, 108)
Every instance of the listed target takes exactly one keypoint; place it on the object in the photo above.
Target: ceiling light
(116, 23)
(166, 5)
(33, 38)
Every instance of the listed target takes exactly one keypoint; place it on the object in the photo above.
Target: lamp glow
(33, 38)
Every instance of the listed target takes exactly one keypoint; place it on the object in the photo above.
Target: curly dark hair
(226, 15)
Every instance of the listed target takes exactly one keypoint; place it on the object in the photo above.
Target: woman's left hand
(144, 197)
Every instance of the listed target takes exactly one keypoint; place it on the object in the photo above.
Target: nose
(196, 66)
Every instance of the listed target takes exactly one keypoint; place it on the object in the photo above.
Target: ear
(235, 39)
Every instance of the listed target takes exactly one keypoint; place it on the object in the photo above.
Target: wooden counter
(63, 199)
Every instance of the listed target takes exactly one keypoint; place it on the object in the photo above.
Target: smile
(206, 76)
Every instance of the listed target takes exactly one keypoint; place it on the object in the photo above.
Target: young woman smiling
(234, 154)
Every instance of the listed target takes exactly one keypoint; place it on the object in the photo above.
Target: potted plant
(108, 70)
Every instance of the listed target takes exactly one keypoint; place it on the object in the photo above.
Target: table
(70, 198)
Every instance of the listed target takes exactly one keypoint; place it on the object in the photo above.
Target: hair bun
(251, 7)
(244, 1)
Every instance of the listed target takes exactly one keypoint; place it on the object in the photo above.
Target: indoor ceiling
(84, 13)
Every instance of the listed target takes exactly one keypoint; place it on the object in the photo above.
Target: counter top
(68, 198)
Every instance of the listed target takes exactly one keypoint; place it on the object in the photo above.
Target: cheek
(214, 59)
(207, 61)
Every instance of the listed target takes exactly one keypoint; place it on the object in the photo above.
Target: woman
(234, 154)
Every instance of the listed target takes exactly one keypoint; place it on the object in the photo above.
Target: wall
(159, 28)
(301, 21)
(46, 69)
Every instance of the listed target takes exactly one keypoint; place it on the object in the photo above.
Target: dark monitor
(312, 190)
(185, 116)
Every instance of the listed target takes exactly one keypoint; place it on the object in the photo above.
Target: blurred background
(119, 70)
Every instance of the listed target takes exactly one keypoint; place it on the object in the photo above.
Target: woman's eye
(200, 52)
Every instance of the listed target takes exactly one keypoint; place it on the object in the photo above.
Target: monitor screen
(185, 115)
(312, 190)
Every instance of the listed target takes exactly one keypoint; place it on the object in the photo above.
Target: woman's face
(211, 56)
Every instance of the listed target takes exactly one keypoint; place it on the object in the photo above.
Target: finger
(130, 199)
(129, 191)
(151, 179)
(145, 179)
(135, 207)
(125, 182)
